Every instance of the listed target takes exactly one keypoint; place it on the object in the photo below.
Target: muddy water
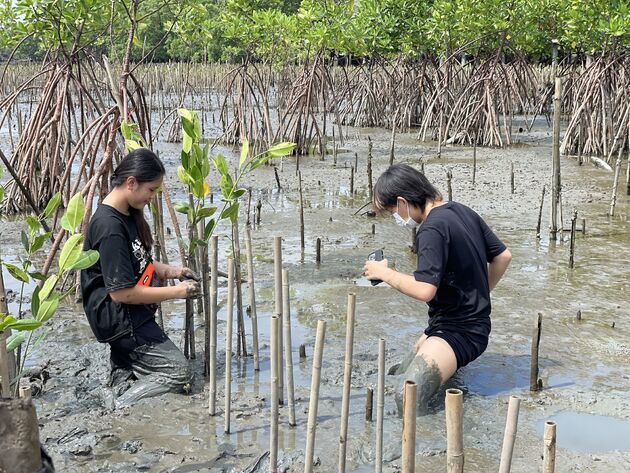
(584, 364)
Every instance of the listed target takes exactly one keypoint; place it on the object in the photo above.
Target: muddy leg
(427, 377)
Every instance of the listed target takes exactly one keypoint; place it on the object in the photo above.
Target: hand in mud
(191, 289)
(375, 269)
(187, 273)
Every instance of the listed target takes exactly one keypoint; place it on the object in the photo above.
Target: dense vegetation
(290, 30)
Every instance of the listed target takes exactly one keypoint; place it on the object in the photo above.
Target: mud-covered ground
(585, 365)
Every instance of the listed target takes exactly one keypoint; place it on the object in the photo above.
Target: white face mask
(410, 222)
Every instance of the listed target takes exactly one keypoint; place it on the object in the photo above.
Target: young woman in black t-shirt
(460, 260)
(122, 290)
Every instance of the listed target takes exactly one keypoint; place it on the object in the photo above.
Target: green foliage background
(289, 30)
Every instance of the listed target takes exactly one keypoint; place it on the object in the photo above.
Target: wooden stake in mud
(314, 400)
(409, 427)
(454, 431)
(449, 184)
(214, 274)
(613, 200)
(392, 141)
(252, 295)
(380, 406)
(474, 170)
(533, 373)
(542, 201)
(275, 170)
(347, 381)
(356, 163)
(572, 248)
(288, 346)
(258, 209)
(351, 181)
(241, 345)
(369, 404)
(510, 435)
(277, 271)
(302, 352)
(228, 344)
(549, 455)
(511, 178)
(301, 213)
(318, 250)
(273, 450)
(369, 168)
(555, 160)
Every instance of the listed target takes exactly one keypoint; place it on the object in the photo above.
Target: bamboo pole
(449, 184)
(380, 406)
(347, 381)
(241, 345)
(454, 431)
(301, 213)
(572, 247)
(214, 270)
(549, 455)
(511, 178)
(288, 346)
(314, 399)
(273, 450)
(25, 389)
(555, 159)
(510, 435)
(542, 201)
(252, 295)
(228, 344)
(277, 271)
(533, 373)
(369, 168)
(613, 199)
(409, 427)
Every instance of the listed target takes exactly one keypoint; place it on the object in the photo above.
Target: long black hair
(401, 180)
(145, 166)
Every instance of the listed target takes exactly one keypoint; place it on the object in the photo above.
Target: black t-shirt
(454, 246)
(122, 261)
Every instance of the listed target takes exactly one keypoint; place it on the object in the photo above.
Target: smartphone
(375, 256)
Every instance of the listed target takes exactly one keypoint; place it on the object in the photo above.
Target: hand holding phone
(375, 256)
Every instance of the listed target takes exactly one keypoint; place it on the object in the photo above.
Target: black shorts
(467, 346)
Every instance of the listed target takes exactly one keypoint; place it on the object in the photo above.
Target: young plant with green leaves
(44, 299)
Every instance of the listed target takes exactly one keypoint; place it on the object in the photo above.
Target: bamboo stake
(449, 179)
(25, 389)
(318, 250)
(228, 344)
(409, 427)
(549, 455)
(277, 271)
(347, 381)
(369, 169)
(510, 435)
(273, 450)
(572, 248)
(351, 181)
(533, 373)
(380, 406)
(288, 346)
(613, 200)
(302, 246)
(369, 404)
(542, 201)
(302, 352)
(214, 270)
(454, 431)
(511, 178)
(314, 399)
(555, 159)
(252, 295)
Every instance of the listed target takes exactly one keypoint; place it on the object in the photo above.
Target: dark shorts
(149, 333)
(467, 346)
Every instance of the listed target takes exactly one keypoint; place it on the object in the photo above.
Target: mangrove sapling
(44, 300)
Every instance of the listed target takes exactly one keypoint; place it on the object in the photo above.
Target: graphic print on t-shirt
(141, 255)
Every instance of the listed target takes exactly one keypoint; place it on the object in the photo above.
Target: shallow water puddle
(589, 433)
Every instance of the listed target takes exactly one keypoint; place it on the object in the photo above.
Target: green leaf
(206, 212)
(37, 275)
(187, 143)
(231, 212)
(220, 163)
(244, 152)
(39, 241)
(209, 229)
(88, 258)
(185, 159)
(256, 163)
(17, 273)
(132, 145)
(65, 224)
(1, 193)
(25, 242)
(75, 211)
(35, 301)
(48, 286)
(184, 176)
(238, 193)
(281, 149)
(70, 252)
(47, 309)
(25, 324)
(4, 322)
(182, 207)
(226, 186)
(52, 205)
(189, 127)
(14, 341)
(33, 224)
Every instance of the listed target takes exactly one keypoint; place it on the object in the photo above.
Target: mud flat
(585, 364)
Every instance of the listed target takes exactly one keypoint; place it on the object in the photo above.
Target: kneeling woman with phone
(460, 260)
(121, 291)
